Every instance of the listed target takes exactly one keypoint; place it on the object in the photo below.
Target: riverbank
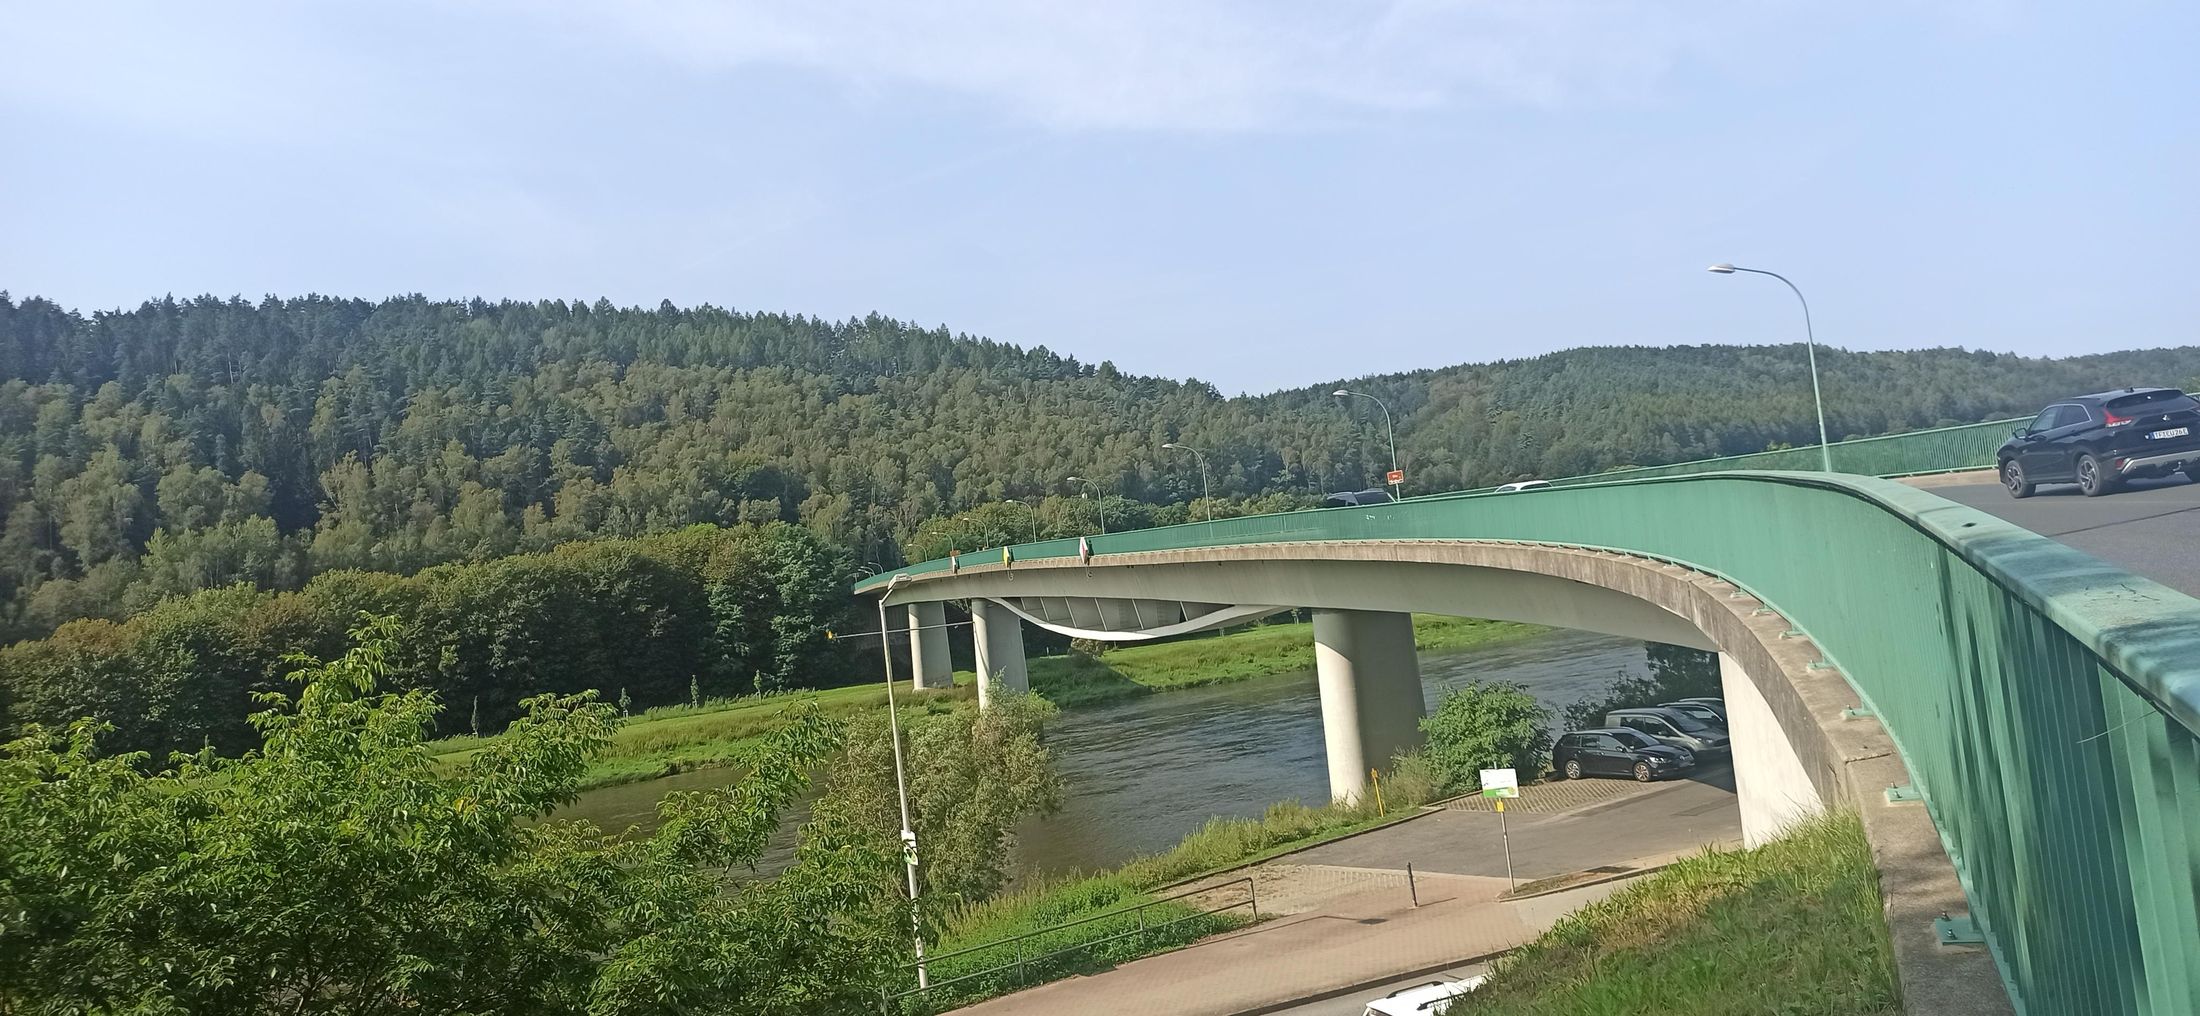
(1255, 652)
(677, 739)
(1107, 901)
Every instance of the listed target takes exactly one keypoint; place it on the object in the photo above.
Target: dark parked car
(1617, 751)
(1355, 498)
(2099, 441)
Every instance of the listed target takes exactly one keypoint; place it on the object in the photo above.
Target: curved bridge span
(2041, 706)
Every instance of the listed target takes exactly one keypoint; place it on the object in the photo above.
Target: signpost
(1497, 785)
(1395, 477)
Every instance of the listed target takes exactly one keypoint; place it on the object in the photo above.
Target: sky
(1260, 194)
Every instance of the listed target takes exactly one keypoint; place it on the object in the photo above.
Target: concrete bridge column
(928, 646)
(998, 636)
(1773, 788)
(1371, 693)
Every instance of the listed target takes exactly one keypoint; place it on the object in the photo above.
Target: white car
(1512, 488)
(1423, 999)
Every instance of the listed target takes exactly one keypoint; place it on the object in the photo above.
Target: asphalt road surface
(1679, 816)
(2151, 527)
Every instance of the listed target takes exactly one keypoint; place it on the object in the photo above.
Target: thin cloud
(1171, 64)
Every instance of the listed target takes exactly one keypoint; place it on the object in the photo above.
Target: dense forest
(551, 497)
(201, 443)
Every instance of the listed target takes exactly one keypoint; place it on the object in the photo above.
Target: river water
(1141, 773)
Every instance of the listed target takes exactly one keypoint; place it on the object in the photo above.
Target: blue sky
(1259, 194)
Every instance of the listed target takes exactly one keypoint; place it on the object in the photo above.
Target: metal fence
(2046, 703)
(1943, 450)
(1040, 957)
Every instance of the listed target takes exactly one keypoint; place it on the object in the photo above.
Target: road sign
(1395, 476)
(1499, 784)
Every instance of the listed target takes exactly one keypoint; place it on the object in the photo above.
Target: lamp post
(1099, 502)
(1810, 344)
(901, 782)
(1204, 493)
(1398, 488)
(1028, 507)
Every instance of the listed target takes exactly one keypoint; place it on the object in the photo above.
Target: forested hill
(194, 443)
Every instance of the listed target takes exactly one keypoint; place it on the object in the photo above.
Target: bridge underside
(1127, 619)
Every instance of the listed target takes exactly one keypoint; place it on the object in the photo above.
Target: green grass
(674, 739)
(1259, 651)
(1792, 927)
(1220, 844)
(1082, 949)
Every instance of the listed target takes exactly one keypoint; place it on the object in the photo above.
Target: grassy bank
(673, 739)
(1792, 927)
(1258, 651)
(1221, 843)
(1110, 899)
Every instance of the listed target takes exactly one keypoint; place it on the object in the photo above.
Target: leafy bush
(973, 776)
(340, 869)
(1487, 726)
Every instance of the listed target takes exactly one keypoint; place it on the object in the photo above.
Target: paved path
(1343, 916)
(1654, 820)
(2151, 527)
(1371, 936)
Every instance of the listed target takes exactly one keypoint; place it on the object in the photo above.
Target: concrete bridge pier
(1371, 693)
(928, 660)
(1773, 788)
(998, 635)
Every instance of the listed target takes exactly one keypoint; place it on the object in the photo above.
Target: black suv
(2099, 441)
(1617, 751)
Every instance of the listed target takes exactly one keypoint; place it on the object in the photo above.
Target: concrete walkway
(1342, 916)
(1352, 940)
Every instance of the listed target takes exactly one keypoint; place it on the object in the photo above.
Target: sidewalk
(1356, 938)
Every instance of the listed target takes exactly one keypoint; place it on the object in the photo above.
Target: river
(1141, 773)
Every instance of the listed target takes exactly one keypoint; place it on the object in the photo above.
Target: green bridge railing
(2045, 702)
(1943, 450)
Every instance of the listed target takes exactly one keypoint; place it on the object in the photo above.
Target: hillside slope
(194, 443)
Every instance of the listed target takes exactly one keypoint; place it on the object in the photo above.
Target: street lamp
(1099, 502)
(1810, 343)
(1027, 506)
(901, 782)
(1204, 494)
(1398, 486)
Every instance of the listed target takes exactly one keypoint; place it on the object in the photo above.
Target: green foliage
(627, 619)
(981, 773)
(1676, 672)
(339, 869)
(197, 443)
(1487, 726)
(1794, 926)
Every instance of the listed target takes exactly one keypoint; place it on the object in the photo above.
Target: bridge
(2014, 720)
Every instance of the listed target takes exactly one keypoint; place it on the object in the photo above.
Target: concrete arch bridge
(2015, 720)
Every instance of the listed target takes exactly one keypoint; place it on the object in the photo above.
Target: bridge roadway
(2151, 527)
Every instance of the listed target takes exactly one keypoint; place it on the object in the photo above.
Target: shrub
(1487, 726)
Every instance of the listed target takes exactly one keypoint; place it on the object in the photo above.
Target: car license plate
(2177, 432)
